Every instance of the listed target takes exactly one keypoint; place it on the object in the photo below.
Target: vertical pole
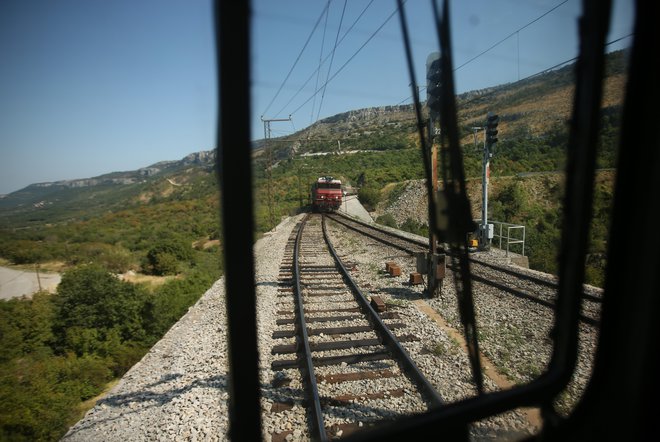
(233, 162)
(269, 172)
(38, 277)
(483, 234)
(433, 155)
(432, 279)
(269, 167)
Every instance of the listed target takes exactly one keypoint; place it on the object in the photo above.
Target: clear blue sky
(89, 86)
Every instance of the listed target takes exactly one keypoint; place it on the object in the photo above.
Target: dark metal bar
(459, 218)
(580, 170)
(233, 54)
(388, 339)
(426, 157)
(623, 394)
(305, 353)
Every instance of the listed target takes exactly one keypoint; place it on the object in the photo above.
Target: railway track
(354, 370)
(516, 283)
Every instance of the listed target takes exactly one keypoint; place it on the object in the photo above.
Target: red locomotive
(326, 194)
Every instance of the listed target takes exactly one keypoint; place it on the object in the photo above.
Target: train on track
(327, 194)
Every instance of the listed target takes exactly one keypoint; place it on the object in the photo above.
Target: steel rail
(385, 335)
(304, 352)
(424, 245)
(511, 290)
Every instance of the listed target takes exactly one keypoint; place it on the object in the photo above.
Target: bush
(32, 407)
(113, 258)
(163, 263)
(25, 251)
(164, 257)
(173, 299)
(386, 220)
(416, 227)
(513, 200)
(91, 299)
(369, 197)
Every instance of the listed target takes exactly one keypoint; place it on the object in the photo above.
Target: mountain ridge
(529, 109)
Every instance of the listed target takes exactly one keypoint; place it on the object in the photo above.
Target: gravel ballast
(178, 391)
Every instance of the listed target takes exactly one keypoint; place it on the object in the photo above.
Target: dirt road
(15, 283)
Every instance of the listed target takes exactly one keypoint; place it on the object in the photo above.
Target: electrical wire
(325, 27)
(510, 35)
(570, 60)
(349, 60)
(297, 58)
(502, 41)
(341, 20)
(312, 74)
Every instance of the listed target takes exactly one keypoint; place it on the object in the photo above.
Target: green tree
(416, 227)
(173, 300)
(512, 199)
(26, 326)
(164, 257)
(90, 301)
(38, 395)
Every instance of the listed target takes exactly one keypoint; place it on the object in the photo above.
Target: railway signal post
(433, 263)
(490, 138)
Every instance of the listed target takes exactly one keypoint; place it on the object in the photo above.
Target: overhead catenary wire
(330, 55)
(312, 74)
(536, 74)
(297, 58)
(493, 46)
(516, 32)
(551, 68)
(341, 21)
(325, 27)
(389, 17)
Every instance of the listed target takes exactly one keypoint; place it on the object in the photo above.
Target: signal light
(433, 86)
(492, 120)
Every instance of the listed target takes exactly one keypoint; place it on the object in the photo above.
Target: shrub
(26, 326)
(416, 227)
(164, 257)
(369, 197)
(386, 220)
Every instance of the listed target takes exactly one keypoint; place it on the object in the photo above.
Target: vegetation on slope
(533, 139)
(59, 350)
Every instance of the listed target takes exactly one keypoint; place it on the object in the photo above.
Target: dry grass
(150, 281)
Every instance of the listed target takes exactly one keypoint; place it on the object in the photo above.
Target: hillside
(531, 200)
(373, 149)
(161, 224)
(376, 150)
(531, 108)
(56, 201)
